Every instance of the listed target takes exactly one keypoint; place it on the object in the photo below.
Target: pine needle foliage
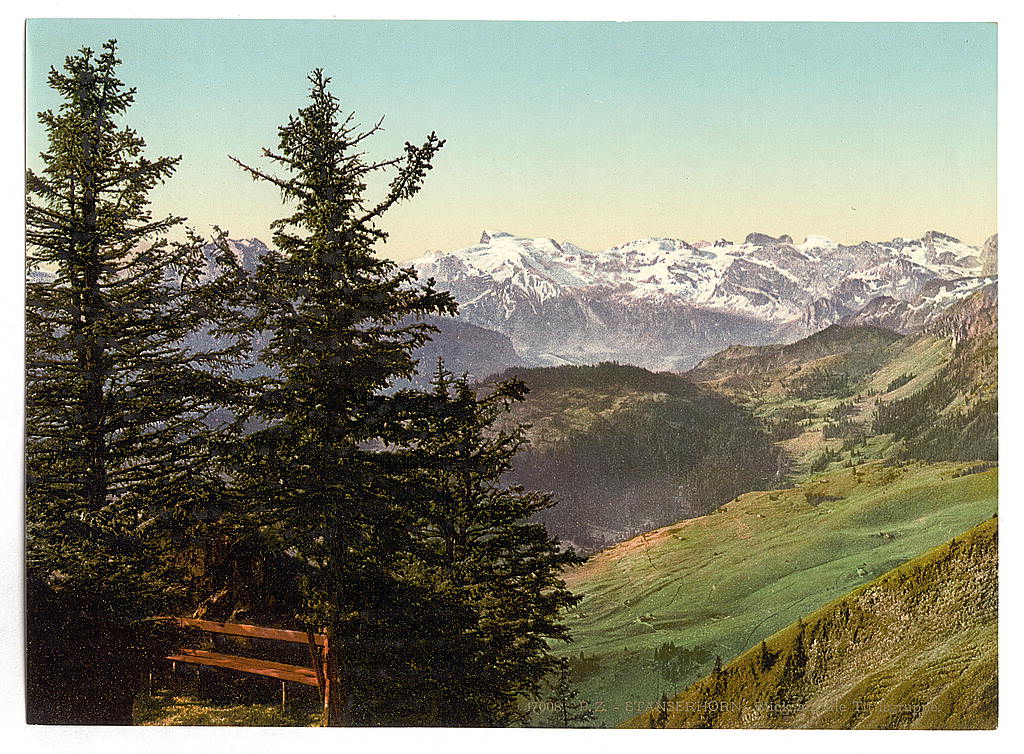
(341, 324)
(117, 392)
(116, 396)
(489, 571)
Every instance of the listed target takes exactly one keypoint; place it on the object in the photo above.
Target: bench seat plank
(279, 670)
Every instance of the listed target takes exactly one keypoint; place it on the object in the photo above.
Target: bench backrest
(253, 632)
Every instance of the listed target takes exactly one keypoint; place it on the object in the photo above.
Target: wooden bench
(315, 674)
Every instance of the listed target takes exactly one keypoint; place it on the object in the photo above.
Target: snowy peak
(247, 253)
(817, 242)
(763, 239)
(660, 302)
(651, 267)
(539, 266)
(766, 276)
(932, 236)
(487, 235)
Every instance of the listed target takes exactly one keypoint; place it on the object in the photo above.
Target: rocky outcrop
(990, 256)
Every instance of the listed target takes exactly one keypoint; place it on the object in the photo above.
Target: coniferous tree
(661, 716)
(765, 658)
(116, 396)
(341, 324)
(570, 711)
(491, 576)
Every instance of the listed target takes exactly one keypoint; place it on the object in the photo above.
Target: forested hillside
(626, 450)
(820, 364)
(954, 416)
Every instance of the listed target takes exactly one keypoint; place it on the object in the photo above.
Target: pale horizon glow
(594, 133)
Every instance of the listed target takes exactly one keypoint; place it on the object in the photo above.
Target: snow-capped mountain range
(665, 303)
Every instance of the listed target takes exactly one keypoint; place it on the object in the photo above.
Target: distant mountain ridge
(664, 303)
(853, 349)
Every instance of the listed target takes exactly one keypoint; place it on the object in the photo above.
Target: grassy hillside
(659, 608)
(954, 415)
(846, 395)
(819, 364)
(915, 648)
(626, 450)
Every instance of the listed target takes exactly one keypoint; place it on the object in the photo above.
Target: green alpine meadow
(322, 431)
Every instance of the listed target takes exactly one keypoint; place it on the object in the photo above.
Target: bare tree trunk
(334, 683)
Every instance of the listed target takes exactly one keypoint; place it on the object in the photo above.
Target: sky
(590, 132)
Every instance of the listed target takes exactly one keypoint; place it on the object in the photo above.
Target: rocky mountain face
(972, 317)
(937, 297)
(990, 256)
(666, 304)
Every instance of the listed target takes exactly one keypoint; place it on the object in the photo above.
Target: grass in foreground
(168, 708)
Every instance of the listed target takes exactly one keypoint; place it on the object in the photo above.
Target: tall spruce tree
(115, 395)
(490, 576)
(341, 324)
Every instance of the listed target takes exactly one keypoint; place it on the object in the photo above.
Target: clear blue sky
(595, 133)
